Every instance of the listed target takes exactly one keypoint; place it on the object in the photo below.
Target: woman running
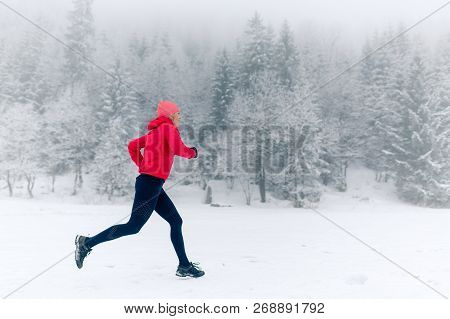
(160, 144)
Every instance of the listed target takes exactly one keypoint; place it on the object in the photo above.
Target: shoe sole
(77, 248)
(182, 275)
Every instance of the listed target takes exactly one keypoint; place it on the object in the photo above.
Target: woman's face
(175, 117)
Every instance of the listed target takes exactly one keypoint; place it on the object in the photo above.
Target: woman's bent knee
(132, 229)
(176, 221)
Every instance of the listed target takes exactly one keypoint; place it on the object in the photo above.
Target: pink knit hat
(167, 108)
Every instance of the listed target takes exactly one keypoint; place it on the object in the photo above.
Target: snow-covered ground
(264, 251)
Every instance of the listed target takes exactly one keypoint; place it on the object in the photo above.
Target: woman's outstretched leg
(168, 211)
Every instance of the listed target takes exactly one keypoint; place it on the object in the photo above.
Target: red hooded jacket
(160, 145)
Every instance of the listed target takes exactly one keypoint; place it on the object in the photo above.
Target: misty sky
(349, 19)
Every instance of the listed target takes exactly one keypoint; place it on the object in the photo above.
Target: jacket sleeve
(134, 148)
(173, 139)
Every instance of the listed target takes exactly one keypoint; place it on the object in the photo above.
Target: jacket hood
(154, 123)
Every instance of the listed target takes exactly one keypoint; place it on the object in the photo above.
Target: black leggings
(149, 196)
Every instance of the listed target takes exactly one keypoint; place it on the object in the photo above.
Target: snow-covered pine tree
(286, 57)
(112, 166)
(393, 100)
(440, 123)
(138, 65)
(373, 78)
(79, 36)
(382, 81)
(257, 51)
(219, 117)
(439, 159)
(256, 77)
(415, 149)
(223, 87)
(116, 94)
(118, 114)
(78, 130)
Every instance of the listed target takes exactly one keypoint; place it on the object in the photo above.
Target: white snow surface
(267, 250)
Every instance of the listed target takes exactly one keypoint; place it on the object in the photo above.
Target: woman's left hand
(196, 152)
